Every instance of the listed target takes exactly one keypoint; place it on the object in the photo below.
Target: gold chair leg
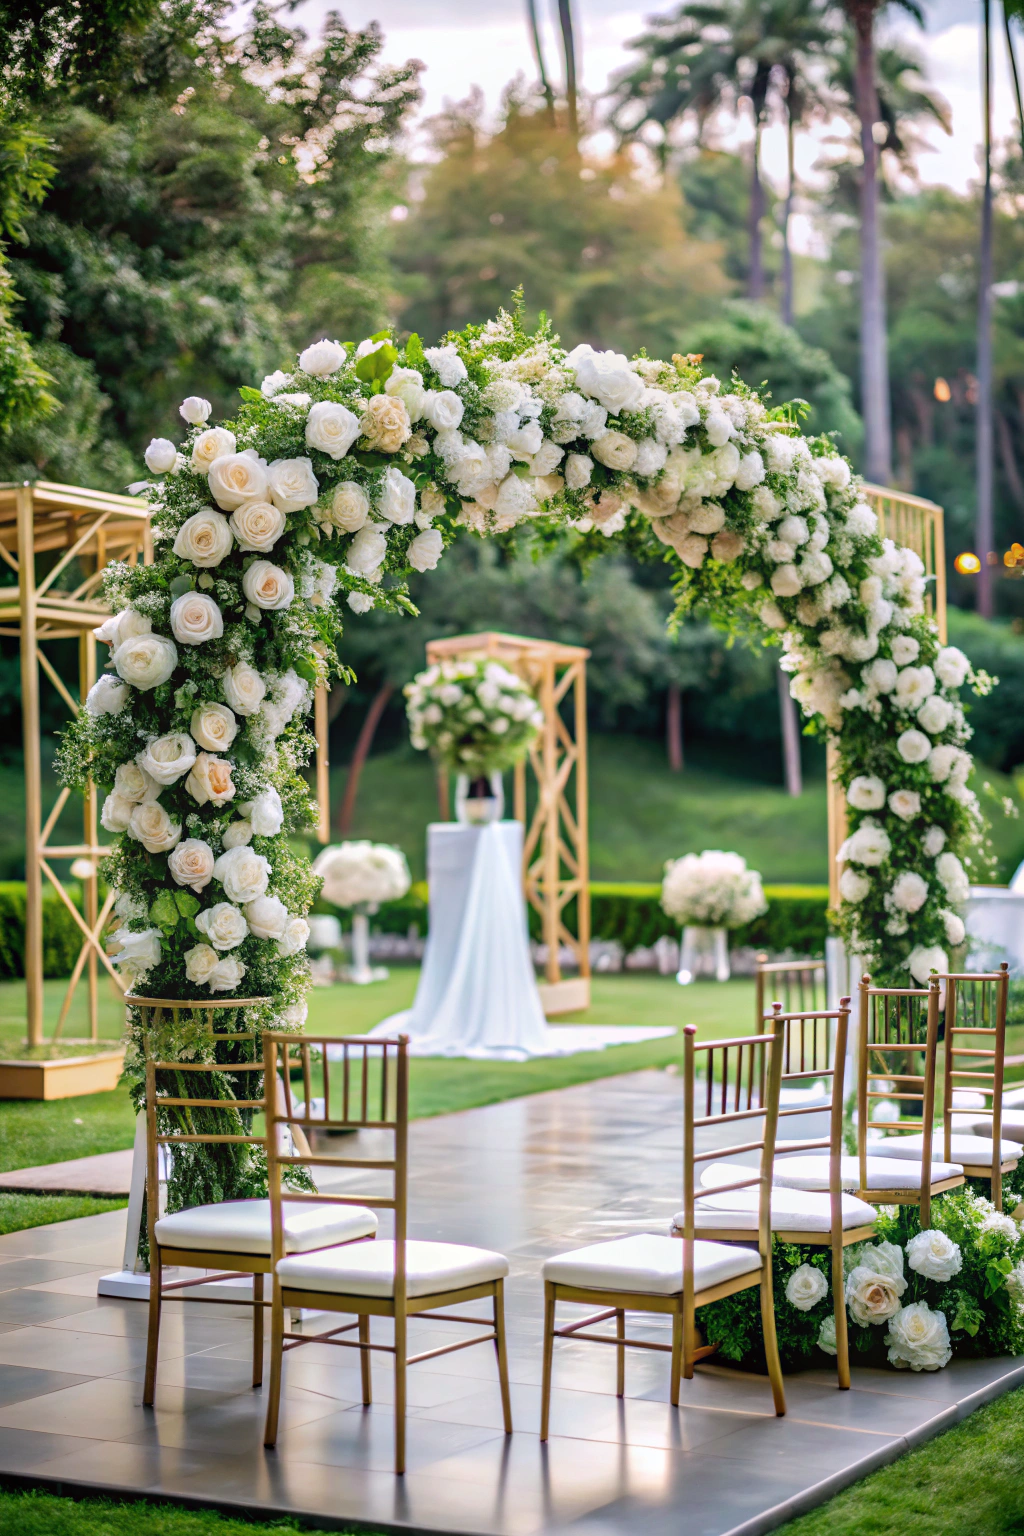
(153, 1335)
(678, 1333)
(620, 1354)
(276, 1364)
(842, 1333)
(401, 1353)
(502, 1353)
(549, 1347)
(365, 1363)
(771, 1345)
(689, 1338)
(257, 1330)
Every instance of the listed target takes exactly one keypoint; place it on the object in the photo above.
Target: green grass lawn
(20, 1211)
(41, 1514)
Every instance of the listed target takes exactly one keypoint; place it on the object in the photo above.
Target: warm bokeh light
(942, 391)
(1014, 555)
(967, 564)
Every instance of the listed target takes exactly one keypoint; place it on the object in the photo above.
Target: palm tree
(569, 51)
(538, 53)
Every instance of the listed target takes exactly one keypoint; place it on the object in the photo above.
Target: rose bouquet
(474, 717)
(362, 874)
(712, 890)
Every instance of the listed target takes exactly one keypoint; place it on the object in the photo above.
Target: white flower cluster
(712, 889)
(475, 716)
(917, 1336)
(362, 874)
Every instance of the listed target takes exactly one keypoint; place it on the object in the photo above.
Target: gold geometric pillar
(556, 864)
(912, 523)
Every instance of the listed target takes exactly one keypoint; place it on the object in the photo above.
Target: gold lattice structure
(916, 524)
(556, 867)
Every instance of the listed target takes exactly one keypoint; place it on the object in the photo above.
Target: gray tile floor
(528, 1177)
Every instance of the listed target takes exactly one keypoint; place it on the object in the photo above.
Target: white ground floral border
(335, 480)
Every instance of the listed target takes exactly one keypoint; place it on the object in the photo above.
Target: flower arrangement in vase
(709, 893)
(361, 875)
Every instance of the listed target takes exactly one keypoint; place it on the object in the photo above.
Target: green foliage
(998, 719)
(62, 938)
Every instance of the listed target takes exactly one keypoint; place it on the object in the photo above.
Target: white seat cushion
(649, 1263)
(964, 1148)
(1013, 1098)
(368, 1269)
(1012, 1124)
(793, 1210)
(811, 1171)
(243, 1226)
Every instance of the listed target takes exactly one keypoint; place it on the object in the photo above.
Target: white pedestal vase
(479, 801)
(704, 949)
(360, 973)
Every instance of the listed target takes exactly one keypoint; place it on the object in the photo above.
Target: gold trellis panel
(556, 867)
(916, 524)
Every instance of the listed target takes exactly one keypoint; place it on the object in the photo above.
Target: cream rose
(293, 484)
(919, 1338)
(366, 551)
(267, 917)
(322, 358)
(166, 758)
(238, 834)
(407, 385)
(934, 1255)
(265, 814)
(236, 478)
(257, 525)
(267, 586)
(332, 428)
(214, 443)
(195, 619)
(214, 727)
(161, 456)
(443, 409)
(200, 964)
(578, 469)
(243, 688)
(223, 925)
(805, 1287)
(386, 425)
(126, 625)
(204, 538)
(153, 828)
(396, 499)
(146, 661)
(350, 507)
(871, 1297)
(226, 974)
(133, 782)
(294, 938)
(191, 863)
(615, 450)
(116, 812)
(195, 410)
(107, 696)
(210, 781)
(244, 875)
(425, 550)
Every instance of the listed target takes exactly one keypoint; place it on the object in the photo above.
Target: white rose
(133, 783)
(274, 382)
(443, 409)
(360, 602)
(447, 364)
(210, 781)
(869, 845)
(913, 686)
(954, 928)
(215, 443)
(257, 525)
(214, 727)
(853, 886)
(935, 714)
(116, 812)
(827, 1335)
(578, 469)
(265, 814)
(615, 450)
(805, 1287)
(292, 483)
(905, 803)
(161, 456)
(332, 428)
(548, 457)
(204, 538)
(924, 959)
(322, 358)
(872, 1297)
(934, 1255)
(425, 550)
(107, 696)
(244, 875)
(223, 925)
(396, 499)
(525, 441)
(126, 625)
(195, 618)
(195, 410)
(238, 834)
(880, 675)
(913, 746)
(267, 917)
(952, 666)
(934, 841)
(909, 892)
(953, 876)
(138, 953)
(236, 478)
(751, 472)
(243, 688)
(407, 385)
(919, 1338)
(350, 507)
(905, 649)
(191, 863)
(167, 758)
(267, 586)
(146, 661)
(366, 551)
(226, 974)
(607, 378)
(153, 828)
(294, 937)
(200, 964)
(866, 792)
(786, 581)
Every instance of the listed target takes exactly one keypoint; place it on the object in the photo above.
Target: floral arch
(335, 480)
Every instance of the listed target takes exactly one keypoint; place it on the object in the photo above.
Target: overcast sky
(485, 43)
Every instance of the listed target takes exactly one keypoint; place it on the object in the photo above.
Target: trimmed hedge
(61, 935)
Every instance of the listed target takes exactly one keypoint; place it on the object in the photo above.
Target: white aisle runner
(477, 995)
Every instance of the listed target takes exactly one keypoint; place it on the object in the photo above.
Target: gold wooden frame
(358, 1054)
(556, 863)
(916, 524)
(757, 1098)
(900, 1023)
(970, 1077)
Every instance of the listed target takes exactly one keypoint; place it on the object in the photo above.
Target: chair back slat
(975, 1032)
(897, 1051)
(800, 986)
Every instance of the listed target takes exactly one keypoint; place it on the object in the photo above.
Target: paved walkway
(530, 1177)
(108, 1173)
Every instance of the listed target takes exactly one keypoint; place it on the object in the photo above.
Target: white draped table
(477, 995)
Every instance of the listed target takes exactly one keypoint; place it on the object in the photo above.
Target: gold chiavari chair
(675, 1275)
(800, 985)
(810, 1204)
(367, 1090)
(975, 1035)
(899, 1028)
(197, 1102)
